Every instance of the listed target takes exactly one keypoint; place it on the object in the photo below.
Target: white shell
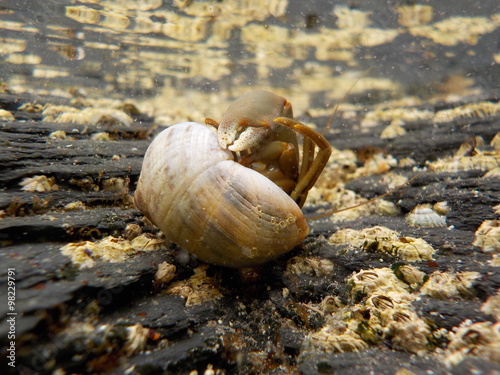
(424, 216)
(211, 206)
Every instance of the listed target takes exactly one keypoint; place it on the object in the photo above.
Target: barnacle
(6, 115)
(495, 142)
(85, 183)
(455, 30)
(54, 110)
(406, 162)
(378, 280)
(58, 134)
(488, 236)
(496, 209)
(165, 272)
(414, 15)
(147, 242)
(481, 339)
(424, 216)
(310, 265)
(383, 240)
(493, 173)
(443, 285)
(387, 208)
(393, 130)
(115, 184)
(39, 184)
(137, 336)
(492, 306)
(330, 304)
(349, 18)
(378, 164)
(197, 289)
(333, 338)
(442, 208)
(131, 231)
(409, 332)
(488, 239)
(74, 206)
(474, 110)
(109, 249)
(410, 275)
(393, 180)
(31, 107)
(102, 136)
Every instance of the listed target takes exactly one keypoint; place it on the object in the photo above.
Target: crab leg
(312, 166)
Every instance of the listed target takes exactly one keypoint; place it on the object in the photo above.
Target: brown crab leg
(311, 166)
(210, 122)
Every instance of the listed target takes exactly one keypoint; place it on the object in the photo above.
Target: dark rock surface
(79, 319)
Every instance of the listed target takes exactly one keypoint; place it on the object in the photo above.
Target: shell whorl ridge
(211, 206)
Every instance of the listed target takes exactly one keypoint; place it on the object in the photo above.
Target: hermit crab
(231, 192)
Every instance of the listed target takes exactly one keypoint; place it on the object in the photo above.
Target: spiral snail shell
(212, 206)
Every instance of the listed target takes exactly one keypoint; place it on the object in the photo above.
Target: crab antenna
(330, 119)
(362, 204)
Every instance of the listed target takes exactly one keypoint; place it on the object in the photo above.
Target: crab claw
(227, 134)
(232, 137)
(248, 121)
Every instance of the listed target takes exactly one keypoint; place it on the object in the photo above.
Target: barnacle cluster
(110, 249)
(381, 307)
(381, 310)
(455, 30)
(97, 112)
(396, 116)
(470, 156)
(383, 240)
(468, 111)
